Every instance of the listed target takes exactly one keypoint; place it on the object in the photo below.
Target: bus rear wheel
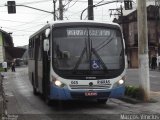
(102, 101)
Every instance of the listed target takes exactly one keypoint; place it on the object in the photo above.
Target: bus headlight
(121, 82)
(58, 83)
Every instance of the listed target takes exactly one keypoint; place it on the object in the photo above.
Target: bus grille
(107, 86)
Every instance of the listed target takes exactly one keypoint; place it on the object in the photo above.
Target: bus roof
(82, 21)
(79, 22)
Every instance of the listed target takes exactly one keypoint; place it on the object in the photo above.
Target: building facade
(129, 25)
(5, 41)
(7, 50)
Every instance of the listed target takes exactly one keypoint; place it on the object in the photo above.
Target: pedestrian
(154, 62)
(13, 67)
(4, 65)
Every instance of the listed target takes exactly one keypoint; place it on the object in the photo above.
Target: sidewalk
(154, 105)
(133, 80)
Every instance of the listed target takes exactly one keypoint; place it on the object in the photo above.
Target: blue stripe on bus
(117, 92)
(59, 93)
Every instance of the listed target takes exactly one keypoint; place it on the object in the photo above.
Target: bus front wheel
(102, 101)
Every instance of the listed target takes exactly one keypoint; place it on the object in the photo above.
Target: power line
(37, 19)
(80, 10)
(12, 21)
(25, 29)
(15, 29)
(108, 2)
(71, 5)
(35, 2)
(68, 3)
(99, 2)
(95, 1)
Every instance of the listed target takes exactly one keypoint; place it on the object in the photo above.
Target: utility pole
(60, 10)
(96, 6)
(143, 49)
(54, 7)
(90, 10)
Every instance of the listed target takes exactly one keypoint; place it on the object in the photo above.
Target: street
(23, 103)
(132, 79)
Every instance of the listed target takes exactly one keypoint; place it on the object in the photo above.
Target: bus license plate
(90, 94)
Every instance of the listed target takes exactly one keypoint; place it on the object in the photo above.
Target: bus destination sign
(91, 32)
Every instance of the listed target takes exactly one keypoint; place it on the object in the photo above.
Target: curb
(130, 100)
(135, 101)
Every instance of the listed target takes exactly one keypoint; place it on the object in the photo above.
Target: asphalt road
(26, 106)
(133, 78)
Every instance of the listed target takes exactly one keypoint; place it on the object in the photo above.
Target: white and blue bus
(77, 60)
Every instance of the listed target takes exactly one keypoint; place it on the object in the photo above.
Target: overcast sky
(26, 21)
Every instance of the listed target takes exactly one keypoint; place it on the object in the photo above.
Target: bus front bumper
(58, 93)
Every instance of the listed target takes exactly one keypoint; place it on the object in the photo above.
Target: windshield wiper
(79, 60)
(89, 50)
(81, 56)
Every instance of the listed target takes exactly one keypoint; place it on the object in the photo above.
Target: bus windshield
(87, 49)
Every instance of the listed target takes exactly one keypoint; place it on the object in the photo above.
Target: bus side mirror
(46, 45)
(124, 44)
(47, 32)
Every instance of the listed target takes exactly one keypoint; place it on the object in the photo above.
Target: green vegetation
(134, 92)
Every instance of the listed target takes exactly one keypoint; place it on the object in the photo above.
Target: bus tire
(102, 101)
(34, 89)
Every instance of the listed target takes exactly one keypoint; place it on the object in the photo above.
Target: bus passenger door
(46, 72)
(36, 61)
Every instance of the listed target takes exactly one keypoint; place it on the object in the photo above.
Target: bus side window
(33, 47)
(29, 48)
(40, 48)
